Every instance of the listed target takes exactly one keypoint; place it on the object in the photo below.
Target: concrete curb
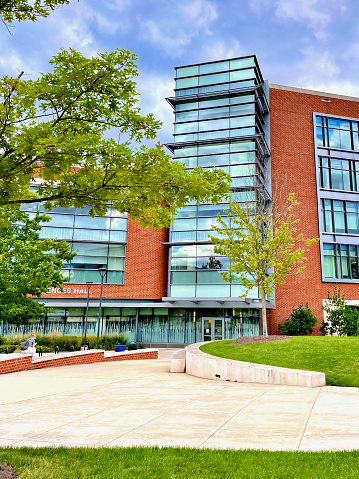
(205, 366)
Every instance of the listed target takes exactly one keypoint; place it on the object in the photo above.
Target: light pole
(88, 283)
(102, 272)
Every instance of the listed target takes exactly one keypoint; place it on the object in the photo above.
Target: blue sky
(304, 43)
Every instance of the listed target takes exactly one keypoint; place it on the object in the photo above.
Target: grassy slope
(167, 463)
(337, 357)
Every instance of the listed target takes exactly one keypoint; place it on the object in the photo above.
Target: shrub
(341, 319)
(10, 348)
(299, 323)
(2, 340)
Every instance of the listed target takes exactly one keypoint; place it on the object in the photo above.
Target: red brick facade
(293, 169)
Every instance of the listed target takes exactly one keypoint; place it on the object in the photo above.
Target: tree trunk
(264, 313)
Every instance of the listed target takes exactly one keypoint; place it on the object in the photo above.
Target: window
(340, 216)
(340, 261)
(338, 174)
(337, 133)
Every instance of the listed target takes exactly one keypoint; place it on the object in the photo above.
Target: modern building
(165, 286)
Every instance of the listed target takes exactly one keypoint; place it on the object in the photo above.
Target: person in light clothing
(30, 345)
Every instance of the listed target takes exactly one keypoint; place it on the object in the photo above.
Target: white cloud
(153, 90)
(317, 14)
(172, 44)
(220, 49)
(199, 12)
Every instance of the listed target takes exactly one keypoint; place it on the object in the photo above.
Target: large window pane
(241, 74)
(210, 277)
(187, 82)
(214, 67)
(216, 78)
(115, 277)
(183, 277)
(117, 250)
(119, 224)
(118, 236)
(116, 263)
(187, 116)
(214, 125)
(213, 290)
(186, 71)
(93, 223)
(213, 113)
(97, 235)
(183, 291)
(183, 251)
(183, 225)
(91, 249)
(183, 263)
(56, 233)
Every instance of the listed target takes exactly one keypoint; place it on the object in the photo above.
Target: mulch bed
(7, 472)
(259, 339)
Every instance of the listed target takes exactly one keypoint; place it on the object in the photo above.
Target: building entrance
(212, 329)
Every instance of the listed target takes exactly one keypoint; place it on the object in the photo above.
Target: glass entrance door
(212, 329)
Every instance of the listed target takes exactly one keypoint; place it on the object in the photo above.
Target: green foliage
(65, 343)
(28, 265)
(262, 247)
(177, 463)
(2, 340)
(299, 323)
(64, 119)
(11, 10)
(7, 348)
(335, 356)
(340, 318)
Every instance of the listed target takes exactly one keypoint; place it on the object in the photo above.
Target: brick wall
(13, 365)
(145, 355)
(293, 169)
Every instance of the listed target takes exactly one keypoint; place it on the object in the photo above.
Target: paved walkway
(140, 402)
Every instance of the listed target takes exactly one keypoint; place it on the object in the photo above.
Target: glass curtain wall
(337, 144)
(219, 111)
(98, 242)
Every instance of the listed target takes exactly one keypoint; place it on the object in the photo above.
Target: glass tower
(221, 120)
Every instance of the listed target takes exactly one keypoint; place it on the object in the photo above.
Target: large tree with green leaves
(28, 265)
(56, 131)
(262, 247)
(11, 10)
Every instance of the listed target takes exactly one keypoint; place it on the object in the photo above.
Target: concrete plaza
(141, 403)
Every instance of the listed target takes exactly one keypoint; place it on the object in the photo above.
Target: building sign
(67, 291)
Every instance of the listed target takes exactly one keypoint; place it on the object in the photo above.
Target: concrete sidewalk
(140, 402)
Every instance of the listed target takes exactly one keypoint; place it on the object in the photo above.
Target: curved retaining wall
(206, 366)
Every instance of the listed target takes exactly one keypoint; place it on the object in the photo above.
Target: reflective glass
(119, 224)
(187, 212)
(183, 251)
(115, 277)
(217, 148)
(180, 291)
(205, 250)
(242, 109)
(339, 222)
(210, 277)
(212, 210)
(241, 121)
(215, 78)
(56, 233)
(243, 170)
(185, 127)
(92, 249)
(89, 260)
(183, 225)
(211, 88)
(334, 138)
(337, 180)
(241, 74)
(242, 146)
(320, 136)
(212, 263)
(186, 71)
(345, 140)
(242, 63)
(183, 263)
(219, 101)
(353, 223)
(214, 124)
(187, 82)
(245, 157)
(117, 250)
(187, 116)
(236, 99)
(183, 277)
(118, 236)
(333, 123)
(92, 223)
(116, 263)
(99, 235)
(213, 291)
(214, 67)
(186, 151)
(183, 236)
(60, 220)
(213, 160)
(319, 120)
(186, 105)
(213, 113)
(243, 181)
(81, 276)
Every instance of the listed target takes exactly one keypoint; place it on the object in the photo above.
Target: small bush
(299, 323)
(2, 340)
(341, 319)
(10, 348)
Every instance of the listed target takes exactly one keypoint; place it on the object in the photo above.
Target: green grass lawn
(167, 463)
(337, 357)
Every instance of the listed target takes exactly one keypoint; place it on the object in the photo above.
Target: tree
(299, 323)
(11, 10)
(340, 318)
(53, 131)
(262, 247)
(28, 265)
